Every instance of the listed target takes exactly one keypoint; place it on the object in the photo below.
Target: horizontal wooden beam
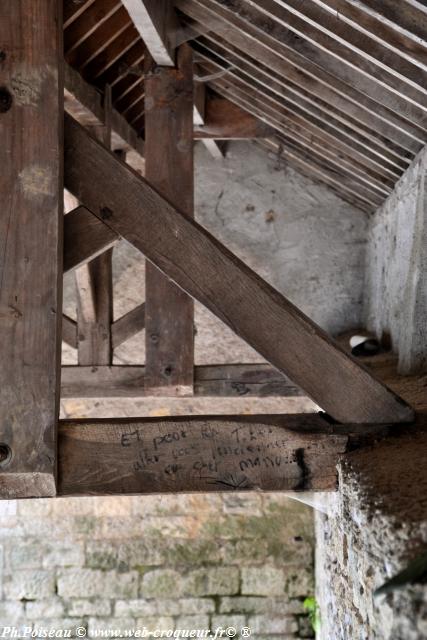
(85, 238)
(228, 453)
(210, 381)
(128, 325)
(224, 120)
(204, 268)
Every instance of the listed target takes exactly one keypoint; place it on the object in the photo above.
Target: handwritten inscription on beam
(198, 454)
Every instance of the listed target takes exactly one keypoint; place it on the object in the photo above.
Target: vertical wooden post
(95, 286)
(169, 167)
(31, 188)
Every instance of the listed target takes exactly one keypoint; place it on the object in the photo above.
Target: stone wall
(197, 561)
(375, 526)
(396, 271)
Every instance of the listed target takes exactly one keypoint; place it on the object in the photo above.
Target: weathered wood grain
(85, 238)
(292, 64)
(169, 312)
(227, 453)
(31, 116)
(95, 310)
(284, 30)
(85, 104)
(210, 273)
(210, 381)
(157, 25)
(128, 325)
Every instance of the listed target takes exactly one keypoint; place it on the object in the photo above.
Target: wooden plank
(199, 119)
(286, 31)
(224, 120)
(342, 137)
(157, 25)
(69, 331)
(349, 170)
(317, 172)
(378, 21)
(85, 238)
(108, 56)
(85, 104)
(95, 311)
(191, 454)
(210, 273)
(169, 315)
(291, 64)
(261, 76)
(408, 17)
(128, 325)
(360, 49)
(72, 9)
(31, 117)
(100, 40)
(80, 29)
(210, 381)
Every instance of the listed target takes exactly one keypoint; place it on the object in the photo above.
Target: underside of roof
(341, 83)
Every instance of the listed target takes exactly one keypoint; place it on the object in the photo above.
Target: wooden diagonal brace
(85, 238)
(210, 273)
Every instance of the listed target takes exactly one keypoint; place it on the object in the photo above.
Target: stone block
(135, 608)
(258, 604)
(51, 608)
(89, 607)
(26, 555)
(29, 585)
(244, 551)
(11, 612)
(242, 503)
(90, 583)
(224, 621)
(193, 623)
(197, 605)
(35, 507)
(64, 554)
(99, 626)
(161, 583)
(263, 581)
(117, 506)
(267, 624)
(158, 622)
(176, 505)
(59, 624)
(212, 581)
(101, 555)
(299, 582)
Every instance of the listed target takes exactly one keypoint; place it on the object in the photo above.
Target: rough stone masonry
(181, 561)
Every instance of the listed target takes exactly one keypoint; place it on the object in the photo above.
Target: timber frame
(114, 125)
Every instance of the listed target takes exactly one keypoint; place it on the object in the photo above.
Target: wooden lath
(207, 271)
(355, 69)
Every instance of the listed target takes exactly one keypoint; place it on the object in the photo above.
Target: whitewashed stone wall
(396, 270)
